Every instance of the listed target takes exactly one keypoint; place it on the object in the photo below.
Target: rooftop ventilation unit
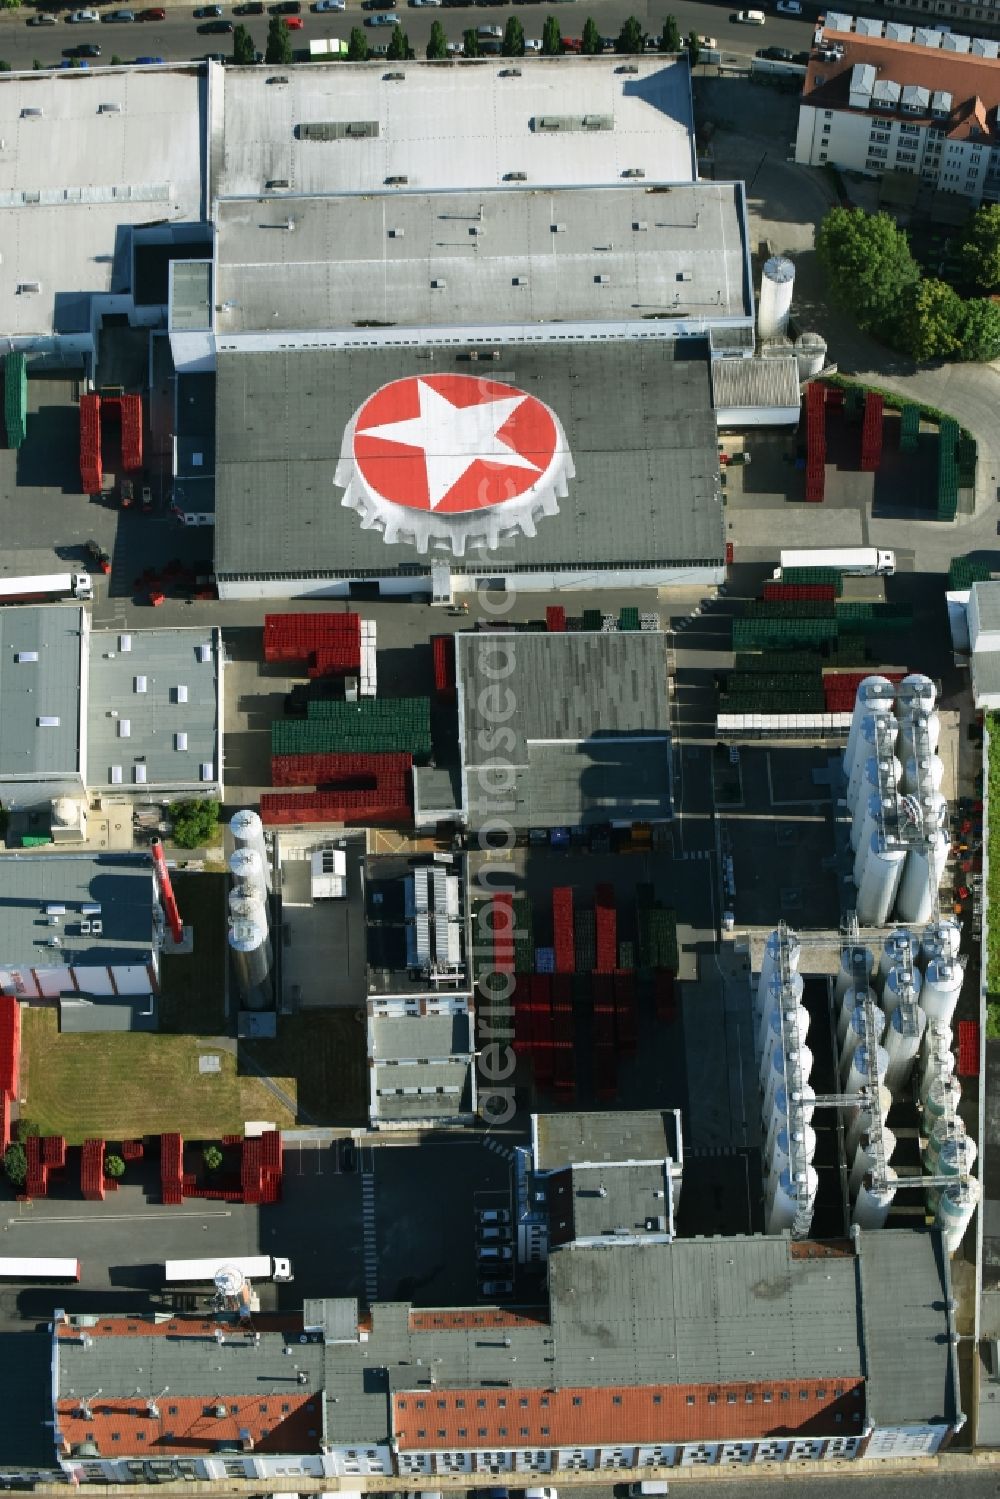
(634, 172)
(510, 72)
(139, 684)
(116, 775)
(109, 109)
(31, 112)
(180, 693)
(602, 280)
(558, 228)
(124, 728)
(393, 77)
(396, 181)
(274, 184)
(519, 281)
(277, 78)
(139, 773)
(438, 285)
(25, 287)
(639, 224)
(207, 770)
(397, 233)
(91, 908)
(124, 643)
(47, 722)
(180, 740)
(55, 910)
(97, 927)
(628, 67)
(515, 176)
(204, 653)
(25, 656)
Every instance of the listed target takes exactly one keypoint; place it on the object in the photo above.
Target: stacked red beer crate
(606, 930)
(91, 471)
(871, 433)
(562, 928)
(131, 414)
(92, 1183)
(172, 1169)
(815, 442)
(329, 644)
(443, 647)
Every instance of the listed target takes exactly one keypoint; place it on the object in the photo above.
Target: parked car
(205, 11)
(249, 8)
(348, 1155)
(748, 17)
(494, 1235)
(41, 20)
(494, 1215)
(72, 62)
(78, 17)
(215, 28)
(390, 19)
(544, 1491)
(324, 5)
(87, 49)
(494, 1252)
(149, 62)
(788, 8)
(532, 44)
(775, 54)
(709, 42)
(496, 1288)
(156, 14)
(285, 8)
(115, 16)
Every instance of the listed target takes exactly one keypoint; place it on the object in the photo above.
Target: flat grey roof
(988, 604)
(74, 171)
(608, 1202)
(191, 294)
(48, 687)
(422, 1090)
(637, 418)
(121, 884)
(590, 726)
(742, 383)
(425, 260)
(427, 1037)
(453, 125)
(324, 962)
(85, 1017)
(912, 1369)
(643, 1135)
(166, 660)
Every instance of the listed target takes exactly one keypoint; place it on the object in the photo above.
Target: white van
(788, 8)
(648, 1486)
(749, 17)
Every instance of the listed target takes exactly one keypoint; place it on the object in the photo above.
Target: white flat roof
(460, 124)
(83, 153)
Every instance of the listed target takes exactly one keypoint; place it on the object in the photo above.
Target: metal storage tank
(872, 816)
(866, 1157)
(857, 1075)
(942, 986)
(920, 733)
(790, 1027)
(875, 694)
(247, 869)
(873, 1204)
(850, 958)
(248, 832)
(810, 355)
(856, 1032)
(244, 907)
(937, 1032)
(875, 735)
(801, 1058)
(775, 998)
(942, 939)
(802, 1139)
(902, 1042)
(921, 878)
(939, 1063)
(956, 1206)
(956, 1157)
(900, 947)
(923, 773)
(881, 870)
(864, 1118)
(787, 1205)
(948, 1127)
(784, 1110)
(248, 945)
(902, 986)
(776, 286)
(850, 1002)
(876, 768)
(916, 693)
(770, 964)
(943, 1097)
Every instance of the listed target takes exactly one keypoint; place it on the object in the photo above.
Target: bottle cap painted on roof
(453, 461)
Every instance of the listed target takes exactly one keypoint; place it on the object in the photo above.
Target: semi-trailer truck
(46, 587)
(203, 1272)
(862, 561)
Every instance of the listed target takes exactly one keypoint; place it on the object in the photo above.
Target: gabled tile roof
(124, 1428)
(972, 82)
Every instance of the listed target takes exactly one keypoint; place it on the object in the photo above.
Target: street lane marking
(110, 1218)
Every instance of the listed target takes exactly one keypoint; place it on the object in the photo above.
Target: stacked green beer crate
(369, 726)
(849, 652)
(584, 941)
(775, 701)
(828, 575)
(947, 478)
(854, 404)
(963, 572)
(788, 609)
(781, 634)
(864, 618)
(967, 457)
(808, 662)
(628, 618)
(657, 937)
(524, 937)
(749, 682)
(909, 428)
(15, 399)
(592, 619)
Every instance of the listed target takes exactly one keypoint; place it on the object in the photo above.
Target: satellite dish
(229, 1280)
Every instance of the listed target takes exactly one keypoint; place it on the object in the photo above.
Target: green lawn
(319, 1059)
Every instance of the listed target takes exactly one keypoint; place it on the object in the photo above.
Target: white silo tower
(798, 1062)
(873, 1204)
(956, 1157)
(938, 1033)
(902, 1042)
(875, 694)
(770, 965)
(942, 939)
(864, 1118)
(871, 816)
(948, 1127)
(916, 694)
(793, 1194)
(775, 998)
(874, 1148)
(901, 947)
(943, 1097)
(249, 946)
(857, 1031)
(783, 1110)
(810, 355)
(248, 832)
(247, 870)
(881, 869)
(921, 878)
(851, 1000)
(942, 986)
(939, 1063)
(786, 1026)
(853, 960)
(923, 773)
(879, 770)
(244, 907)
(857, 1074)
(902, 986)
(919, 733)
(776, 286)
(802, 1141)
(956, 1206)
(876, 735)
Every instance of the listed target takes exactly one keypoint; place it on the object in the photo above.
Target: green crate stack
(846, 653)
(35, 840)
(828, 575)
(781, 634)
(626, 956)
(584, 941)
(963, 572)
(774, 702)
(947, 481)
(967, 457)
(592, 619)
(854, 404)
(15, 399)
(369, 726)
(774, 681)
(862, 618)
(788, 609)
(524, 936)
(807, 662)
(628, 618)
(658, 938)
(909, 428)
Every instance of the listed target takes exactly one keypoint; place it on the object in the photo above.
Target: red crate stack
(341, 772)
(555, 619)
(329, 644)
(840, 688)
(819, 593)
(606, 930)
(91, 471)
(271, 1164)
(92, 1183)
(605, 1055)
(502, 919)
(132, 1150)
(968, 1048)
(562, 928)
(36, 1182)
(389, 805)
(871, 433)
(131, 414)
(541, 1014)
(665, 997)
(443, 647)
(815, 442)
(626, 1013)
(10, 1061)
(251, 1172)
(53, 1152)
(564, 1074)
(172, 1169)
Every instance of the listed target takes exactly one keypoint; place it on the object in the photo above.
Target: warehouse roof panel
(115, 890)
(41, 651)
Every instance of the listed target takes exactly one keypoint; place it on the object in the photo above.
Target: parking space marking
(368, 1229)
(84, 1219)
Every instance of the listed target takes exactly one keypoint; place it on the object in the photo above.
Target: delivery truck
(862, 561)
(46, 588)
(203, 1272)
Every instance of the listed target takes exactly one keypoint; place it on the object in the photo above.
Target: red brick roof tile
(124, 1428)
(972, 82)
(471, 1317)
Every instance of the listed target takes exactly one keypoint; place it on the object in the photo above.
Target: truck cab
(283, 1269)
(83, 588)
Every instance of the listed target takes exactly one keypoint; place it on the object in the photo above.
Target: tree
(630, 38)
(551, 38)
(116, 61)
(980, 252)
(694, 48)
(244, 51)
(194, 822)
(670, 38)
(114, 1166)
(437, 44)
(15, 1165)
(927, 320)
(470, 43)
(399, 45)
(212, 1156)
(979, 329)
(591, 41)
(357, 46)
(867, 261)
(279, 42)
(513, 38)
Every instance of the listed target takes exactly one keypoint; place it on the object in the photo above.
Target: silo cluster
(787, 1096)
(899, 816)
(249, 914)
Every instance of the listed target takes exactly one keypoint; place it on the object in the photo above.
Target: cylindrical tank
(923, 774)
(956, 1206)
(857, 1073)
(902, 986)
(902, 1042)
(856, 1032)
(775, 998)
(901, 947)
(785, 1111)
(878, 770)
(776, 285)
(247, 907)
(873, 816)
(859, 1120)
(923, 730)
(790, 1197)
(943, 1096)
(880, 875)
(948, 1127)
(939, 1063)
(875, 694)
(876, 1143)
(942, 939)
(916, 693)
(247, 869)
(876, 739)
(852, 960)
(248, 945)
(248, 832)
(873, 1204)
(934, 811)
(802, 1141)
(770, 965)
(942, 986)
(810, 355)
(921, 878)
(788, 1026)
(798, 1062)
(850, 1002)
(955, 1158)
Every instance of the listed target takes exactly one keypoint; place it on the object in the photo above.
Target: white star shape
(453, 438)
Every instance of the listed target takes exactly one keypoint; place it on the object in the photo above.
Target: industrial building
(890, 97)
(975, 617)
(104, 714)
